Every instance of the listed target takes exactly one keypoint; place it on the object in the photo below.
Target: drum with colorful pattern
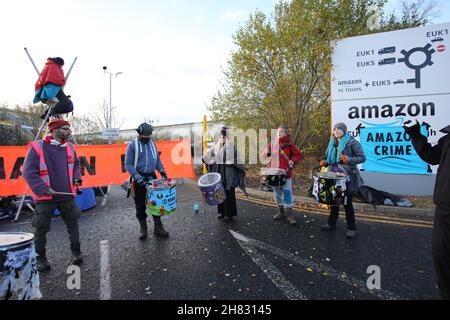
(161, 197)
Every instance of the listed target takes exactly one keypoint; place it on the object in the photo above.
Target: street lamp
(110, 93)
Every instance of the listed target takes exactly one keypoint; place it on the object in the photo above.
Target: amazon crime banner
(389, 150)
(101, 165)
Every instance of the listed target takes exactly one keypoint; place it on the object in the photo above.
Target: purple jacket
(56, 160)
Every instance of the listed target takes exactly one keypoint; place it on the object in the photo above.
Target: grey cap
(340, 125)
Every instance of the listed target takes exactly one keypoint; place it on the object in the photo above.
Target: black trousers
(140, 197)
(349, 214)
(441, 251)
(228, 207)
(41, 221)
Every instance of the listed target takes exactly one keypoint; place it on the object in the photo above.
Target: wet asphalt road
(261, 259)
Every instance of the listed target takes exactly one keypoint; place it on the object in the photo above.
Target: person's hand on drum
(141, 183)
(164, 175)
(323, 163)
(291, 163)
(50, 192)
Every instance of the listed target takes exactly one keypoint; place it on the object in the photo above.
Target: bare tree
(419, 12)
(104, 117)
(84, 128)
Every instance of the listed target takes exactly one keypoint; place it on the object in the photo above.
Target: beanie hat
(57, 123)
(341, 126)
(145, 129)
(57, 60)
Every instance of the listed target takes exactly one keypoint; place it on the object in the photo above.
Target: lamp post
(109, 124)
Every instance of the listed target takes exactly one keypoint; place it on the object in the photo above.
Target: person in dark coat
(223, 159)
(438, 155)
(344, 151)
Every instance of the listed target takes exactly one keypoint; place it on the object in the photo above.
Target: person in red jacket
(285, 155)
(49, 88)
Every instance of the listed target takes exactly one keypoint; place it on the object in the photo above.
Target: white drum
(19, 278)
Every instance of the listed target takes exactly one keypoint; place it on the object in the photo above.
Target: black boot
(42, 263)
(143, 230)
(159, 229)
(77, 257)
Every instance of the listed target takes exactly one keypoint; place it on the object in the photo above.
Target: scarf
(54, 142)
(333, 156)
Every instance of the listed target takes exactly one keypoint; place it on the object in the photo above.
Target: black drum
(273, 177)
(330, 188)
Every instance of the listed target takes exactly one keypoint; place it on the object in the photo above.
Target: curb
(357, 205)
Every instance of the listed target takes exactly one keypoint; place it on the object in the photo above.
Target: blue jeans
(283, 195)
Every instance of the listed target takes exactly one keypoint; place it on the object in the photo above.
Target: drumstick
(65, 193)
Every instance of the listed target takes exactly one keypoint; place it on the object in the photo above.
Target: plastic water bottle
(196, 208)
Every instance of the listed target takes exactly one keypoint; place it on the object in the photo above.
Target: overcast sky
(171, 52)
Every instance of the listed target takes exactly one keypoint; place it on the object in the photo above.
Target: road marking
(277, 278)
(317, 267)
(364, 217)
(105, 197)
(105, 271)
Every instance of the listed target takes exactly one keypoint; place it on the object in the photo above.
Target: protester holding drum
(223, 159)
(147, 161)
(343, 155)
(52, 171)
(284, 156)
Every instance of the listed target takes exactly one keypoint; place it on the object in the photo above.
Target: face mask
(144, 140)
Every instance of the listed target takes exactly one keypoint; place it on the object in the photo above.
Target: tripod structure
(51, 104)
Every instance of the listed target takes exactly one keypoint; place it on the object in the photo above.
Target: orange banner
(101, 165)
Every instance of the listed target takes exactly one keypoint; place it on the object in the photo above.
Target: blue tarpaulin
(85, 201)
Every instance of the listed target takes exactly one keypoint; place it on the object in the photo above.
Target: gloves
(412, 129)
(344, 159)
(323, 163)
(164, 175)
(141, 183)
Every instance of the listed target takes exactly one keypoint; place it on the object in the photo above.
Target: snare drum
(19, 277)
(212, 188)
(330, 188)
(273, 177)
(161, 197)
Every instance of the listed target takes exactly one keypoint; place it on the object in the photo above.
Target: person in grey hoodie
(438, 154)
(148, 162)
(344, 151)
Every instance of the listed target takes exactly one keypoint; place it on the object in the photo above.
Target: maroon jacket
(290, 150)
